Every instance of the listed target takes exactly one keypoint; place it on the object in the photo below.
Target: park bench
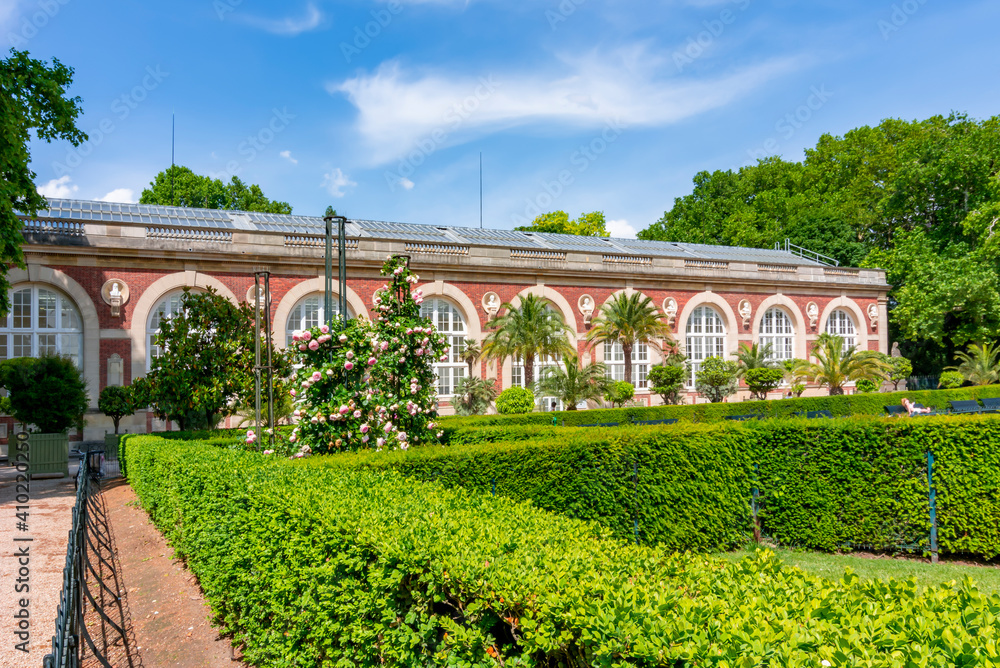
(895, 410)
(664, 421)
(970, 406)
(742, 418)
(991, 405)
(601, 424)
(816, 414)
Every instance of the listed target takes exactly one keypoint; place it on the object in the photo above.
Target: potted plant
(50, 394)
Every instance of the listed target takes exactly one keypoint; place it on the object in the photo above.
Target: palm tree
(978, 364)
(628, 320)
(473, 395)
(754, 357)
(471, 352)
(573, 384)
(836, 365)
(528, 331)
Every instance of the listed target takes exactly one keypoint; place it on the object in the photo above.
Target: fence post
(754, 505)
(932, 497)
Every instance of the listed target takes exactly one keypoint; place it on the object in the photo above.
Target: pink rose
(292, 392)
(325, 329)
(444, 358)
(418, 352)
(387, 428)
(329, 373)
(365, 428)
(317, 376)
(350, 355)
(371, 361)
(314, 345)
(357, 413)
(380, 442)
(343, 338)
(348, 365)
(344, 410)
(306, 335)
(302, 346)
(364, 439)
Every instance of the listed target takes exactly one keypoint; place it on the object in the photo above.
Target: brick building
(84, 258)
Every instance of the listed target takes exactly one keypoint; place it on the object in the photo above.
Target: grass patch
(879, 567)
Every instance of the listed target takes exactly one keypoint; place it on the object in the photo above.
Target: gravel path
(49, 519)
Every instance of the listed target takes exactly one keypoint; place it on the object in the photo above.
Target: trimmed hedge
(840, 406)
(824, 484)
(313, 566)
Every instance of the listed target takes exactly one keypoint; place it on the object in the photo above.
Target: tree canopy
(557, 222)
(920, 199)
(32, 100)
(179, 186)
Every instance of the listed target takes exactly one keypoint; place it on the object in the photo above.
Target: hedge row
(823, 484)
(307, 566)
(841, 406)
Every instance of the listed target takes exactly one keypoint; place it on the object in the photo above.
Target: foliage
(796, 373)
(866, 386)
(48, 392)
(618, 392)
(628, 319)
(900, 369)
(205, 370)
(754, 356)
(365, 384)
(667, 380)
(471, 352)
(528, 331)
(474, 395)
(557, 222)
(950, 379)
(717, 379)
(179, 186)
(116, 402)
(979, 365)
(573, 384)
(32, 101)
(920, 199)
(836, 365)
(515, 400)
(760, 380)
(311, 566)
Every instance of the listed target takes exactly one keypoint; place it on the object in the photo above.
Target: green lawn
(832, 566)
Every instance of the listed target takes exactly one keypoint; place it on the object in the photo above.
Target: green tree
(32, 102)
(473, 395)
(179, 186)
(979, 363)
(572, 383)
(667, 380)
(205, 371)
(617, 392)
(628, 319)
(48, 392)
(717, 379)
(557, 222)
(753, 357)
(899, 370)
(471, 352)
(528, 331)
(837, 365)
(116, 402)
(330, 212)
(950, 380)
(761, 380)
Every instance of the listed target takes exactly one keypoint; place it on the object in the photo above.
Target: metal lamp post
(342, 269)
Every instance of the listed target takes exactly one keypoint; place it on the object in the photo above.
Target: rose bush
(369, 384)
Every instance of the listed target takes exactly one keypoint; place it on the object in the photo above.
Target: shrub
(116, 402)
(761, 380)
(717, 379)
(48, 392)
(619, 392)
(900, 369)
(473, 395)
(515, 401)
(308, 566)
(668, 382)
(951, 379)
(866, 386)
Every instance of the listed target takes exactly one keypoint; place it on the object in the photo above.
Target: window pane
(70, 318)
(47, 344)
(70, 346)
(3, 346)
(46, 310)
(22, 309)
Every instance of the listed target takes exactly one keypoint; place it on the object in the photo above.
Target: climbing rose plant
(369, 384)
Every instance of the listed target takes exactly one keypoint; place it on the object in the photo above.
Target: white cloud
(621, 229)
(287, 155)
(406, 183)
(335, 181)
(60, 187)
(288, 27)
(124, 195)
(398, 108)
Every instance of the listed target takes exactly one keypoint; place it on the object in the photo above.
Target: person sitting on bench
(911, 408)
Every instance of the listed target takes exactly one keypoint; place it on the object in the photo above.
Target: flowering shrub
(369, 384)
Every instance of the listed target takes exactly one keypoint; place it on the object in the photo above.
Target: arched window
(614, 363)
(841, 324)
(168, 307)
(41, 321)
(777, 331)
(310, 312)
(449, 321)
(705, 337)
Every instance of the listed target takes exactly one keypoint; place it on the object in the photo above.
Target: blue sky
(382, 108)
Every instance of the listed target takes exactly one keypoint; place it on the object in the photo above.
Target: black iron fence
(92, 623)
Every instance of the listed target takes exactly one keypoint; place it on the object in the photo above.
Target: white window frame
(614, 363)
(840, 322)
(310, 312)
(705, 336)
(447, 319)
(778, 330)
(64, 326)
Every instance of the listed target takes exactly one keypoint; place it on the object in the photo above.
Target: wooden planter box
(48, 454)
